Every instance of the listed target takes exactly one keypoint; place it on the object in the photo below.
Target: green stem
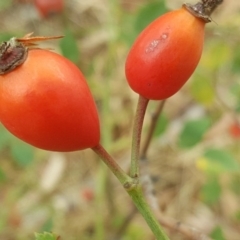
(142, 206)
(133, 188)
(136, 137)
(152, 127)
(112, 165)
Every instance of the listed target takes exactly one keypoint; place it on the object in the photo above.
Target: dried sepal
(14, 52)
(203, 9)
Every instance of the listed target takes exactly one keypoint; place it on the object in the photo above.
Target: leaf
(236, 59)
(161, 125)
(127, 33)
(217, 234)
(5, 36)
(46, 236)
(219, 161)
(235, 183)
(211, 191)
(134, 232)
(237, 216)
(69, 47)
(216, 54)
(149, 13)
(3, 176)
(48, 225)
(5, 137)
(235, 89)
(5, 4)
(22, 153)
(202, 90)
(132, 25)
(193, 131)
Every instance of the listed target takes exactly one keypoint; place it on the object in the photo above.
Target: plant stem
(112, 165)
(133, 188)
(152, 127)
(136, 137)
(146, 212)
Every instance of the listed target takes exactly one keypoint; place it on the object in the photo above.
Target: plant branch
(112, 165)
(144, 209)
(136, 137)
(133, 188)
(152, 127)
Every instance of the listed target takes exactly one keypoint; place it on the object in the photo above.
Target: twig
(171, 224)
(152, 127)
(136, 136)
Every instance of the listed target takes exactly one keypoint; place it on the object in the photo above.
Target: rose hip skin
(165, 54)
(46, 7)
(46, 102)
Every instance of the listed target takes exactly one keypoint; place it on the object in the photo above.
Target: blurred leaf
(235, 183)
(47, 226)
(217, 234)
(218, 161)
(237, 216)
(22, 153)
(5, 137)
(193, 131)
(132, 25)
(135, 232)
(215, 55)
(236, 59)
(46, 236)
(202, 90)
(161, 125)
(69, 47)
(3, 176)
(5, 4)
(5, 36)
(127, 32)
(148, 13)
(237, 109)
(235, 88)
(211, 190)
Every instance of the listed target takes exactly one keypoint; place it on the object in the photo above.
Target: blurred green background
(195, 156)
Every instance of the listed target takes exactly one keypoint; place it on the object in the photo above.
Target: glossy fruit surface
(165, 54)
(46, 102)
(46, 7)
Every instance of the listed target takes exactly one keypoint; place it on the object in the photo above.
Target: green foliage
(193, 131)
(133, 24)
(202, 89)
(217, 54)
(211, 190)
(148, 13)
(3, 176)
(237, 216)
(135, 233)
(46, 236)
(48, 225)
(219, 161)
(5, 4)
(217, 234)
(5, 36)
(235, 183)
(236, 60)
(161, 125)
(235, 90)
(69, 47)
(23, 154)
(5, 138)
